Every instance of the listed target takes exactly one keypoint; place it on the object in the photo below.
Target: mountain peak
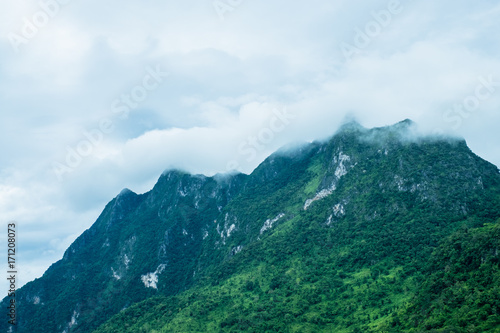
(402, 125)
(125, 192)
(407, 121)
(350, 123)
(173, 171)
(405, 124)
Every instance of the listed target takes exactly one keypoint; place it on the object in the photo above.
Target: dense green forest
(318, 290)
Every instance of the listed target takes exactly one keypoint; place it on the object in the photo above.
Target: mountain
(373, 230)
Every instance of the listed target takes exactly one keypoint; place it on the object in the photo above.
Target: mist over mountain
(371, 230)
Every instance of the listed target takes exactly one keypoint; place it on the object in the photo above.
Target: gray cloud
(227, 77)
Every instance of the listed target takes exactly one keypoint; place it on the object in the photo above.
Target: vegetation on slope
(375, 268)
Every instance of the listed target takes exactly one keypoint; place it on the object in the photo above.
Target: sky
(99, 96)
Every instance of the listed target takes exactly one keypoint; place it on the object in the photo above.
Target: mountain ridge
(192, 233)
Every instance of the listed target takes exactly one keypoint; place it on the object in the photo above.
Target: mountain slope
(356, 258)
(332, 235)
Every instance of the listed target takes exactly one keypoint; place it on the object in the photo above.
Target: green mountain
(373, 230)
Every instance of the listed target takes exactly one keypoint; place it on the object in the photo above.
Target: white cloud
(226, 77)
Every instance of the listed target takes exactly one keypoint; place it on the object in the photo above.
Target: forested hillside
(373, 230)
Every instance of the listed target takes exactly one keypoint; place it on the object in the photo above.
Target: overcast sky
(98, 96)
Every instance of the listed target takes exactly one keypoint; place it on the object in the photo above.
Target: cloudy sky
(98, 96)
